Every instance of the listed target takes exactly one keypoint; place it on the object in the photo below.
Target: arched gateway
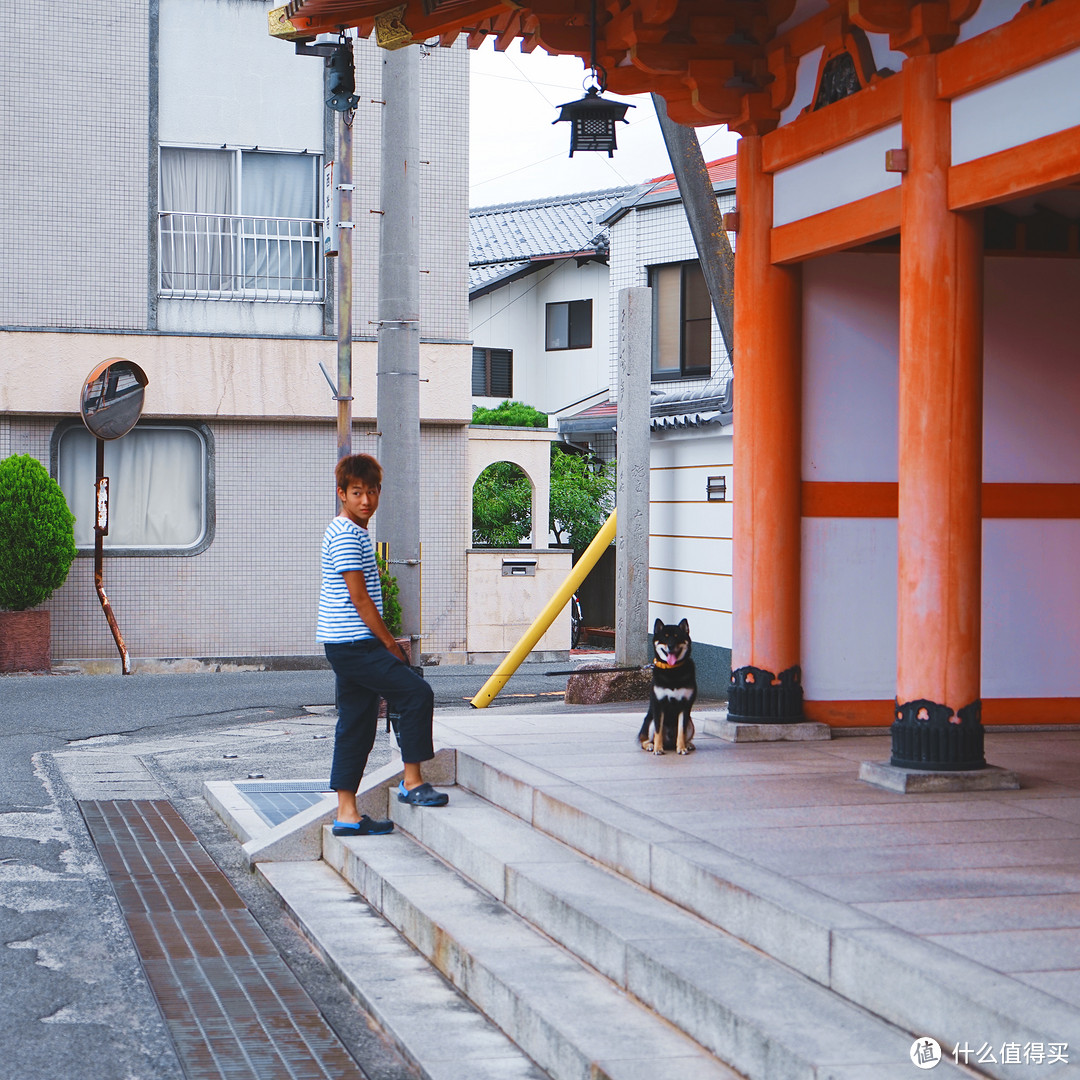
(908, 262)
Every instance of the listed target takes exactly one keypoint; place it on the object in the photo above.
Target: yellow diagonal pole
(512, 660)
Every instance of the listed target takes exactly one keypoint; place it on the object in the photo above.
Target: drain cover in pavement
(276, 801)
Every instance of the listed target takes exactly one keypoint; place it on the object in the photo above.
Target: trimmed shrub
(37, 537)
(510, 414)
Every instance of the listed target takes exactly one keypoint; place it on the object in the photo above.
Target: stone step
(570, 1020)
(748, 1009)
(913, 984)
(434, 1028)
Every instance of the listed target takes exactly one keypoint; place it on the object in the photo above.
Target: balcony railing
(239, 257)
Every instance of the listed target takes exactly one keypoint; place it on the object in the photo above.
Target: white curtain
(156, 486)
(197, 241)
(276, 258)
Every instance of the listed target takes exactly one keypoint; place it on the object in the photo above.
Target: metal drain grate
(276, 801)
(232, 1006)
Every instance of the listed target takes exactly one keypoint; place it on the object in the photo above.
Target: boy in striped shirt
(368, 663)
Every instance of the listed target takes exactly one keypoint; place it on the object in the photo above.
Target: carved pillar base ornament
(758, 696)
(926, 735)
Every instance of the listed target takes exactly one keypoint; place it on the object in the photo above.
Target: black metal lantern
(592, 118)
(592, 121)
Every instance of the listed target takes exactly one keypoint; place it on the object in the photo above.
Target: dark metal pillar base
(757, 696)
(929, 736)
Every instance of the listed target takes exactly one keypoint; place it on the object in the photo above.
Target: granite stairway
(579, 947)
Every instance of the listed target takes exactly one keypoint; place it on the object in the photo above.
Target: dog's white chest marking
(678, 693)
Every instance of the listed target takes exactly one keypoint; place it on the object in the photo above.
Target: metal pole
(398, 401)
(512, 661)
(344, 184)
(704, 217)
(632, 478)
(101, 527)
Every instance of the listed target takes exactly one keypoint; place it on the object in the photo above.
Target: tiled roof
(504, 239)
(598, 417)
(664, 189)
(721, 171)
(709, 404)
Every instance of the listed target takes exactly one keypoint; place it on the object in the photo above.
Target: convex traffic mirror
(112, 398)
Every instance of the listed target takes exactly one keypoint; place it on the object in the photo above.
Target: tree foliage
(581, 500)
(37, 534)
(391, 605)
(511, 414)
(502, 506)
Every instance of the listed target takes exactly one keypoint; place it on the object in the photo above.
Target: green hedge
(37, 537)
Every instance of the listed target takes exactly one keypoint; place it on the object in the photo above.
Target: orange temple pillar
(766, 679)
(937, 721)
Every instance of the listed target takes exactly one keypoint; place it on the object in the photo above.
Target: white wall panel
(708, 592)
(1031, 406)
(691, 553)
(849, 608)
(835, 178)
(706, 627)
(1036, 102)
(1031, 609)
(690, 519)
(691, 446)
(687, 485)
(851, 339)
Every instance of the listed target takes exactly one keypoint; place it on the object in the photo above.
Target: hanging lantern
(592, 121)
(592, 118)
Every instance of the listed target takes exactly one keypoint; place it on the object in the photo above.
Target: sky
(516, 152)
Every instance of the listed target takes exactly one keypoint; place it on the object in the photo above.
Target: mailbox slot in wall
(519, 568)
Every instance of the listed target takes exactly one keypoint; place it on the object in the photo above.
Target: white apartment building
(161, 201)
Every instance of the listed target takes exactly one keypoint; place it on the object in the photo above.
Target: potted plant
(37, 547)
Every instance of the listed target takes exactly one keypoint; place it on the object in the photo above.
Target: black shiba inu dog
(667, 724)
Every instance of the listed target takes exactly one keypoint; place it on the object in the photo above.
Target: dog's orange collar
(664, 666)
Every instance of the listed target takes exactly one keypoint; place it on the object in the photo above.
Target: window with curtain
(239, 224)
(158, 487)
(682, 321)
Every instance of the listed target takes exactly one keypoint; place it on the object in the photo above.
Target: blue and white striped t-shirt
(345, 546)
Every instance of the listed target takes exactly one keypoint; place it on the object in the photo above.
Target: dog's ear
(684, 626)
(658, 628)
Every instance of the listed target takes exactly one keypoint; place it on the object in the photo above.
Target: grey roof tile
(503, 238)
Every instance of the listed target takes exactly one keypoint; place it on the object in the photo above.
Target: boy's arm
(366, 609)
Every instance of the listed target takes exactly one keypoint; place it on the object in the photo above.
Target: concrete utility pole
(632, 479)
(343, 180)
(398, 401)
(706, 222)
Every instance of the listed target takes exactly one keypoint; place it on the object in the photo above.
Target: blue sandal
(366, 826)
(424, 795)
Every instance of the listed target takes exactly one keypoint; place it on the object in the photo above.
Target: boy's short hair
(362, 467)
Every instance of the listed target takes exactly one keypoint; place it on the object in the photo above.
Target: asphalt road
(73, 1001)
